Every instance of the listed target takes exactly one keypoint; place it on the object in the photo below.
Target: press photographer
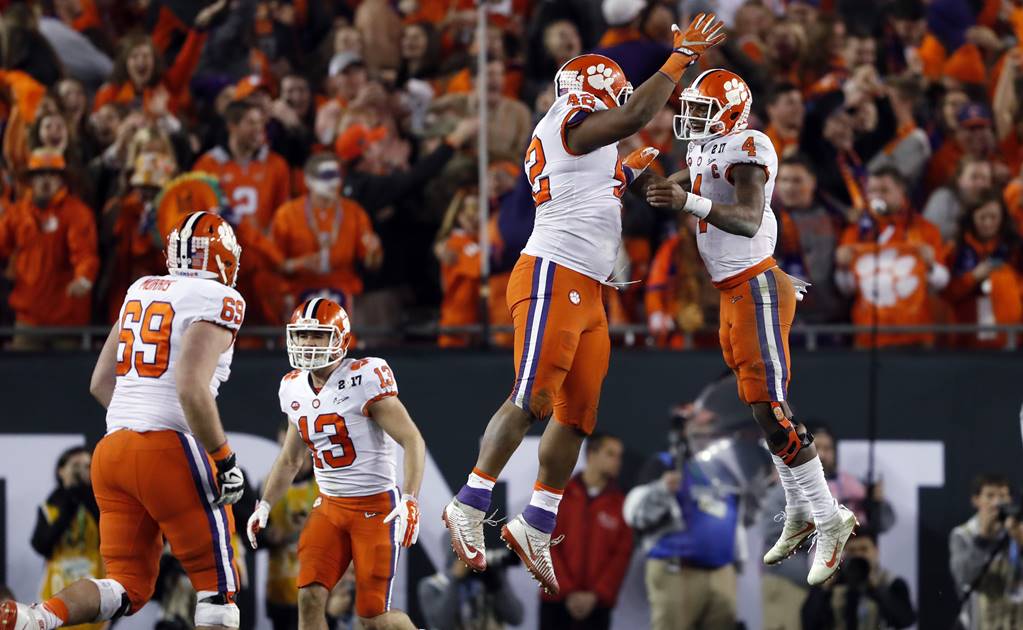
(864, 596)
(458, 599)
(984, 557)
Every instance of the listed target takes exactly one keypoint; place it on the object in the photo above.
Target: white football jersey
(578, 197)
(157, 311)
(710, 167)
(352, 455)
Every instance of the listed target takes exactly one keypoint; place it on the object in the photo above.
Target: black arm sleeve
(895, 604)
(46, 534)
(385, 190)
(870, 143)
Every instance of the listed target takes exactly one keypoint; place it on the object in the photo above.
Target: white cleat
(793, 535)
(15, 616)
(534, 548)
(831, 541)
(465, 524)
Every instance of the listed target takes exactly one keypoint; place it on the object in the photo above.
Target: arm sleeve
(895, 604)
(48, 531)
(384, 190)
(616, 564)
(176, 78)
(82, 244)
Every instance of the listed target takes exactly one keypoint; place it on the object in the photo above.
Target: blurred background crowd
(897, 125)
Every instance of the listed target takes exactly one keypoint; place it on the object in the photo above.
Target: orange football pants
(341, 530)
(154, 485)
(561, 341)
(757, 308)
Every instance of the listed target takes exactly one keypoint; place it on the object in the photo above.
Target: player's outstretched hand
(636, 162)
(257, 521)
(705, 32)
(230, 479)
(666, 194)
(407, 515)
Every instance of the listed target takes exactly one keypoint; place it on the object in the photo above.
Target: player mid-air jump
(347, 412)
(732, 170)
(555, 291)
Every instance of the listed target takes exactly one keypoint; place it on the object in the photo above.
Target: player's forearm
(735, 219)
(202, 416)
(415, 462)
(645, 103)
(282, 474)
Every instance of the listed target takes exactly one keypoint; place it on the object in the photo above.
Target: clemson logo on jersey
(892, 276)
(736, 91)
(574, 297)
(316, 403)
(599, 76)
(317, 502)
(295, 405)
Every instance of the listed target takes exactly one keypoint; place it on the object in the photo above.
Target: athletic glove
(703, 33)
(257, 521)
(637, 161)
(230, 479)
(407, 514)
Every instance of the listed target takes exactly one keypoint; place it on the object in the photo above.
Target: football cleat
(831, 541)
(465, 524)
(793, 535)
(534, 548)
(15, 616)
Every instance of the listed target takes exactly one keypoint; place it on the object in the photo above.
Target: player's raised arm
(742, 218)
(390, 414)
(104, 375)
(282, 474)
(605, 127)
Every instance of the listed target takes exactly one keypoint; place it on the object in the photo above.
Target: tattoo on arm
(746, 214)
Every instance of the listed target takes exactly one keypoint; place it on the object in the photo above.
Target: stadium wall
(943, 417)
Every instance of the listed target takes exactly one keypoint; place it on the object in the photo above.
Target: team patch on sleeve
(378, 382)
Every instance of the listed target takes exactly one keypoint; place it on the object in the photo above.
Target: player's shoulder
(572, 101)
(749, 138)
(363, 364)
(289, 380)
(213, 290)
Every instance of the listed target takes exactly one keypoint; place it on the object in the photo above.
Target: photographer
(458, 599)
(863, 596)
(67, 526)
(984, 558)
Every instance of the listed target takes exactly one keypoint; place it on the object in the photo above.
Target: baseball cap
(342, 61)
(974, 115)
(46, 160)
(250, 85)
(354, 141)
(619, 12)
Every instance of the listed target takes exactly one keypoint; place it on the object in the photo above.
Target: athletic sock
(542, 511)
(54, 613)
(796, 503)
(810, 477)
(477, 490)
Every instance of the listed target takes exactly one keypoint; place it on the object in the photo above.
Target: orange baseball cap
(250, 85)
(43, 160)
(354, 141)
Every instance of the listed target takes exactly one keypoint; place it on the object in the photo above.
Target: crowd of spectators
(340, 137)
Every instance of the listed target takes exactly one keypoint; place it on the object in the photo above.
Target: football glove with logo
(257, 521)
(407, 515)
(636, 162)
(703, 34)
(230, 479)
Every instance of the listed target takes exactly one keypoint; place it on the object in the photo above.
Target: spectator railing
(810, 337)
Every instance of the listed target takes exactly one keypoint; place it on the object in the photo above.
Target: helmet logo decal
(735, 91)
(599, 77)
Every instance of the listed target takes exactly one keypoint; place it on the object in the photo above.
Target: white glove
(407, 513)
(257, 521)
(800, 286)
(230, 479)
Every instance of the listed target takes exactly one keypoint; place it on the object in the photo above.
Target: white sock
(796, 504)
(51, 620)
(479, 482)
(810, 477)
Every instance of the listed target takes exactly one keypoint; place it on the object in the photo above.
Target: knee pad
(786, 442)
(113, 600)
(216, 609)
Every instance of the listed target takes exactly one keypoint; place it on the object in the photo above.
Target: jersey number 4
(339, 438)
(154, 332)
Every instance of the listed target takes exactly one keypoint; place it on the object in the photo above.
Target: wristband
(698, 206)
(676, 65)
(221, 453)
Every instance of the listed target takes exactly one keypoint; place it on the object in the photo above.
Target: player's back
(711, 165)
(352, 455)
(578, 197)
(154, 318)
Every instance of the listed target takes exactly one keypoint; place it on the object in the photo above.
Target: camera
(855, 572)
(1007, 510)
(501, 558)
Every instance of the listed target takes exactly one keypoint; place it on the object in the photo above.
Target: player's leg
(764, 377)
(324, 552)
(180, 496)
(575, 416)
(375, 550)
(130, 546)
(544, 347)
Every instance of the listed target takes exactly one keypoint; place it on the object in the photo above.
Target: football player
(555, 293)
(346, 412)
(164, 468)
(732, 170)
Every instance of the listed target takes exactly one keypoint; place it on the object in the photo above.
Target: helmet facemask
(700, 119)
(305, 356)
